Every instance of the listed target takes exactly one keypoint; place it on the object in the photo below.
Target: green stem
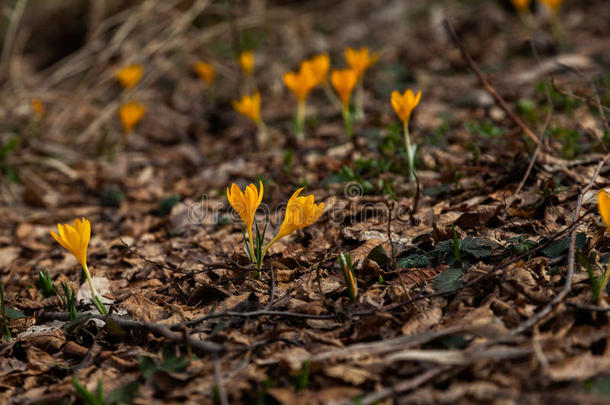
(347, 120)
(253, 255)
(410, 154)
(96, 299)
(331, 95)
(300, 121)
(359, 101)
(604, 283)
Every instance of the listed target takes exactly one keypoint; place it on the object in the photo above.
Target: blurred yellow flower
(404, 104)
(38, 107)
(129, 76)
(320, 64)
(301, 83)
(246, 61)
(246, 204)
(75, 239)
(554, 5)
(603, 203)
(360, 59)
(344, 82)
(521, 5)
(205, 71)
(300, 212)
(249, 106)
(130, 114)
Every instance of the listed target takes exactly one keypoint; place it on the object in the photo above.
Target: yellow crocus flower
(205, 71)
(320, 64)
(404, 104)
(301, 83)
(246, 204)
(249, 106)
(130, 114)
(38, 107)
(75, 239)
(246, 61)
(603, 203)
(129, 76)
(344, 82)
(360, 59)
(300, 212)
(554, 5)
(521, 5)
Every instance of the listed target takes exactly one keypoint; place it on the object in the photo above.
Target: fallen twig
(155, 328)
(488, 87)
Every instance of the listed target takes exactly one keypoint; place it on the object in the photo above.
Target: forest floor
(474, 284)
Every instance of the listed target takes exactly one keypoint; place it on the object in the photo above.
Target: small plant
(45, 284)
(343, 82)
(520, 245)
(7, 313)
(96, 398)
(345, 262)
(360, 60)
(120, 396)
(403, 105)
(75, 239)
(10, 146)
(302, 379)
(68, 299)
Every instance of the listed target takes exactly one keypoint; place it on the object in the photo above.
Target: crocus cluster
(300, 212)
(312, 73)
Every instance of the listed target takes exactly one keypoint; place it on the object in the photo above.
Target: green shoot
(345, 262)
(45, 284)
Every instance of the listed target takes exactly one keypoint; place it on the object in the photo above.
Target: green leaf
(415, 260)
(477, 247)
(166, 205)
(600, 385)
(556, 249)
(149, 366)
(11, 313)
(379, 256)
(449, 280)
(302, 379)
(123, 395)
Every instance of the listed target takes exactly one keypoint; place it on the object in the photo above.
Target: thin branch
(402, 386)
(222, 393)
(588, 307)
(155, 328)
(488, 87)
(571, 259)
(252, 314)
